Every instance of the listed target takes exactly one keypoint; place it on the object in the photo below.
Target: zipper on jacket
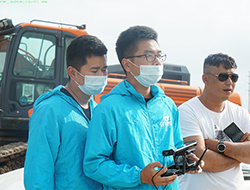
(153, 132)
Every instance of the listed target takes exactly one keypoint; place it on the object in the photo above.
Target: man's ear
(126, 65)
(72, 72)
(205, 78)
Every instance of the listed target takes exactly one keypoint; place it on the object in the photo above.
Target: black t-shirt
(86, 111)
(147, 99)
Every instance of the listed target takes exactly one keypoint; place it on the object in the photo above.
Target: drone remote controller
(182, 164)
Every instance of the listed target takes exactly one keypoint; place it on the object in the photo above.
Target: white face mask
(93, 84)
(149, 74)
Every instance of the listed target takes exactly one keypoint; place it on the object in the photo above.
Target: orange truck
(33, 62)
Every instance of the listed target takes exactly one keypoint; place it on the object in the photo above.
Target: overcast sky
(189, 30)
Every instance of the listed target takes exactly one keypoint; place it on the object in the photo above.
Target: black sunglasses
(224, 76)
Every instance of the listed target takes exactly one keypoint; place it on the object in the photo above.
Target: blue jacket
(57, 136)
(126, 134)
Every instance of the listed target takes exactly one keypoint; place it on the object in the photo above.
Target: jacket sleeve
(100, 151)
(42, 149)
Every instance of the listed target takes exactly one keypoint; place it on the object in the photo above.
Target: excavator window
(36, 55)
(35, 59)
(3, 48)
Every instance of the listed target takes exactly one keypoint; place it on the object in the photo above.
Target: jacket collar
(124, 88)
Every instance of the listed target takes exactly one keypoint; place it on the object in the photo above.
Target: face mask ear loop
(80, 73)
(77, 83)
(133, 64)
(132, 74)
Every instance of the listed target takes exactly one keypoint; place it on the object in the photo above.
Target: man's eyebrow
(99, 67)
(150, 51)
(95, 68)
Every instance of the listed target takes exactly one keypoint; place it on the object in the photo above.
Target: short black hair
(126, 44)
(219, 59)
(82, 47)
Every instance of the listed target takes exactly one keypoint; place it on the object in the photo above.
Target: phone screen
(234, 132)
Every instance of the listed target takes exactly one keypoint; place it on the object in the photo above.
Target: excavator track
(12, 156)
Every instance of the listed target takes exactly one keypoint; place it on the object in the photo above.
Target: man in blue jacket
(60, 119)
(135, 122)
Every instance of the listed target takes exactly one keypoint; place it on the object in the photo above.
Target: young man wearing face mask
(60, 119)
(135, 122)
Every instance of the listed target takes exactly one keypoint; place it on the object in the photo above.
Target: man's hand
(193, 157)
(149, 171)
(246, 137)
